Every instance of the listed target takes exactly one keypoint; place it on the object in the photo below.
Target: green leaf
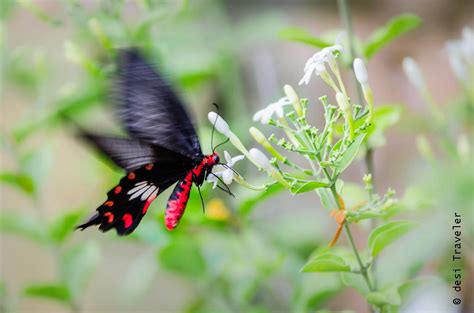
(388, 296)
(57, 292)
(64, 225)
(396, 27)
(326, 262)
(78, 264)
(384, 117)
(24, 225)
(326, 198)
(194, 78)
(349, 154)
(384, 235)
(308, 186)
(301, 35)
(18, 180)
(250, 203)
(355, 281)
(183, 256)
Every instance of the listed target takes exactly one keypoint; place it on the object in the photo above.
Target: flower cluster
(328, 151)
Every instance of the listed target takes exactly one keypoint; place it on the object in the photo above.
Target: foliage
(230, 257)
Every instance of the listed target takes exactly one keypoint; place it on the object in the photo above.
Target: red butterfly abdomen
(178, 201)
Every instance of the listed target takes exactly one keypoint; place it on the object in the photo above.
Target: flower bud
(360, 71)
(413, 73)
(261, 139)
(294, 99)
(342, 101)
(261, 159)
(221, 125)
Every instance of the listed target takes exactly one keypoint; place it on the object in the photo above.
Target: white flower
(413, 73)
(220, 124)
(317, 62)
(360, 71)
(461, 55)
(225, 172)
(264, 115)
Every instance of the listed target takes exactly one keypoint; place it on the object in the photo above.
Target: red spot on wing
(147, 203)
(148, 167)
(127, 220)
(109, 203)
(110, 217)
(131, 175)
(117, 190)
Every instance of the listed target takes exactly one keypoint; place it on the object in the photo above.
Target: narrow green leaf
(326, 198)
(326, 262)
(24, 225)
(301, 35)
(308, 186)
(383, 235)
(18, 180)
(183, 256)
(64, 225)
(349, 154)
(56, 292)
(396, 27)
(250, 203)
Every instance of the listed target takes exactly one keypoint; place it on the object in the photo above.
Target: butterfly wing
(126, 153)
(128, 202)
(178, 201)
(150, 110)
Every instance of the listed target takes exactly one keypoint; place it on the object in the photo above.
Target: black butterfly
(163, 149)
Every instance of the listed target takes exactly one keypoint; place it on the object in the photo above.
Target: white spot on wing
(139, 192)
(133, 190)
(146, 194)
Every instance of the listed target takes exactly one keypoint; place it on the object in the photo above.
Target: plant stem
(345, 15)
(369, 157)
(363, 268)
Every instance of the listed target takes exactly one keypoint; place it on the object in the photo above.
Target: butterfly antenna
(230, 168)
(222, 143)
(214, 128)
(226, 189)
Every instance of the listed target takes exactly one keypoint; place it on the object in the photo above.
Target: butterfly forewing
(150, 109)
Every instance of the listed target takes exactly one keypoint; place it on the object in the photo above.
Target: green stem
(345, 15)
(369, 157)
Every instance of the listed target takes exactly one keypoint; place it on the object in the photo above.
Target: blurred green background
(244, 254)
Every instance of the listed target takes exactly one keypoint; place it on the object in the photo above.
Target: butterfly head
(212, 159)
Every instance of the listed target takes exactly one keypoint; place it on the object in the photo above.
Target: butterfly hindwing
(128, 202)
(150, 109)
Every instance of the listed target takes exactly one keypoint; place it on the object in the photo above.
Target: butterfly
(162, 149)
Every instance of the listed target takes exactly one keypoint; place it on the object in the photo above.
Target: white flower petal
(258, 115)
(213, 180)
(236, 159)
(227, 176)
(227, 157)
